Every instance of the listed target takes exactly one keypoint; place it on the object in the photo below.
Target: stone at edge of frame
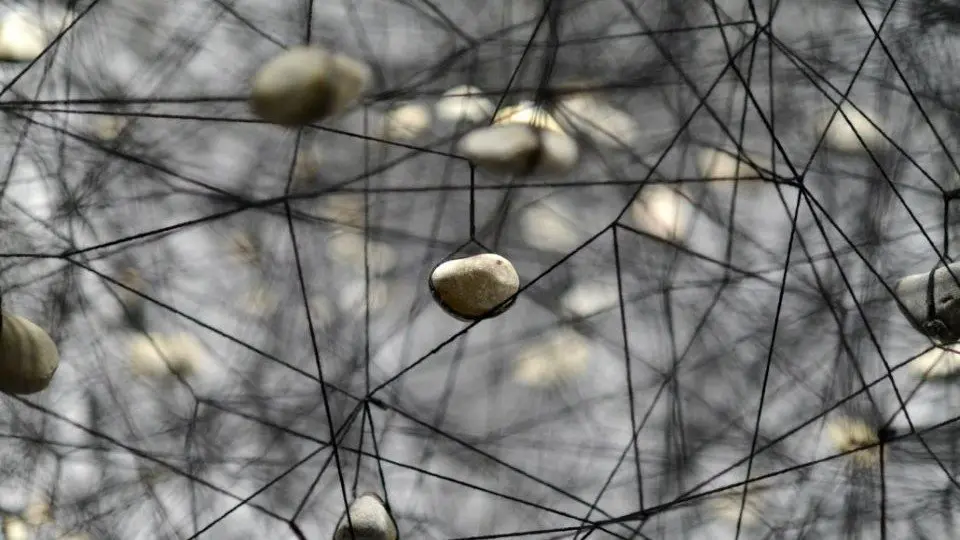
(370, 520)
(28, 357)
(303, 85)
(912, 293)
(475, 287)
(22, 37)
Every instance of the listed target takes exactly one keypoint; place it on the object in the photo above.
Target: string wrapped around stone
(28, 357)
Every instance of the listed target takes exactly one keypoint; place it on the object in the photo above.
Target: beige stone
(369, 519)
(471, 287)
(520, 149)
(303, 85)
(28, 358)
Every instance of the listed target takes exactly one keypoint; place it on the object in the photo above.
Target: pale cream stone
(543, 227)
(587, 298)
(159, 355)
(348, 248)
(22, 37)
(661, 212)
(15, 529)
(937, 363)
(406, 122)
(38, 512)
(852, 435)
(466, 103)
(530, 114)
(724, 168)
(602, 123)
(841, 133)
(520, 149)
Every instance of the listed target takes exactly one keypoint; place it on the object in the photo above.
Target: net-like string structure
(652, 269)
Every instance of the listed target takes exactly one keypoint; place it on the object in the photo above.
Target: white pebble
(852, 435)
(661, 212)
(406, 123)
(520, 149)
(22, 37)
(370, 521)
(724, 168)
(530, 114)
(842, 133)
(557, 358)
(937, 363)
(475, 287)
(588, 298)
(602, 123)
(260, 302)
(465, 103)
(545, 228)
(158, 355)
(343, 209)
(303, 85)
(108, 127)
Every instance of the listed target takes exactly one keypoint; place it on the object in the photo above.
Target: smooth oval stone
(475, 287)
(306, 84)
(519, 149)
(370, 520)
(465, 103)
(28, 357)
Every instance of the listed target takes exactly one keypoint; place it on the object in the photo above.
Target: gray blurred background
(679, 332)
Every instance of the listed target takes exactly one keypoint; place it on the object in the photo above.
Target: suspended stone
(465, 103)
(303, 85)
(520, 149)
(38, 512)
(937, 363)
(855, 438)
(28, 358)
(369, 519)
(560, 357)
(158, 355)
(406, 122)
(599, 121)
(476, 287)
(932, 302)
(662, 212)
(530, 114)
(22, 37)
(721, 167)
(842, 132)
